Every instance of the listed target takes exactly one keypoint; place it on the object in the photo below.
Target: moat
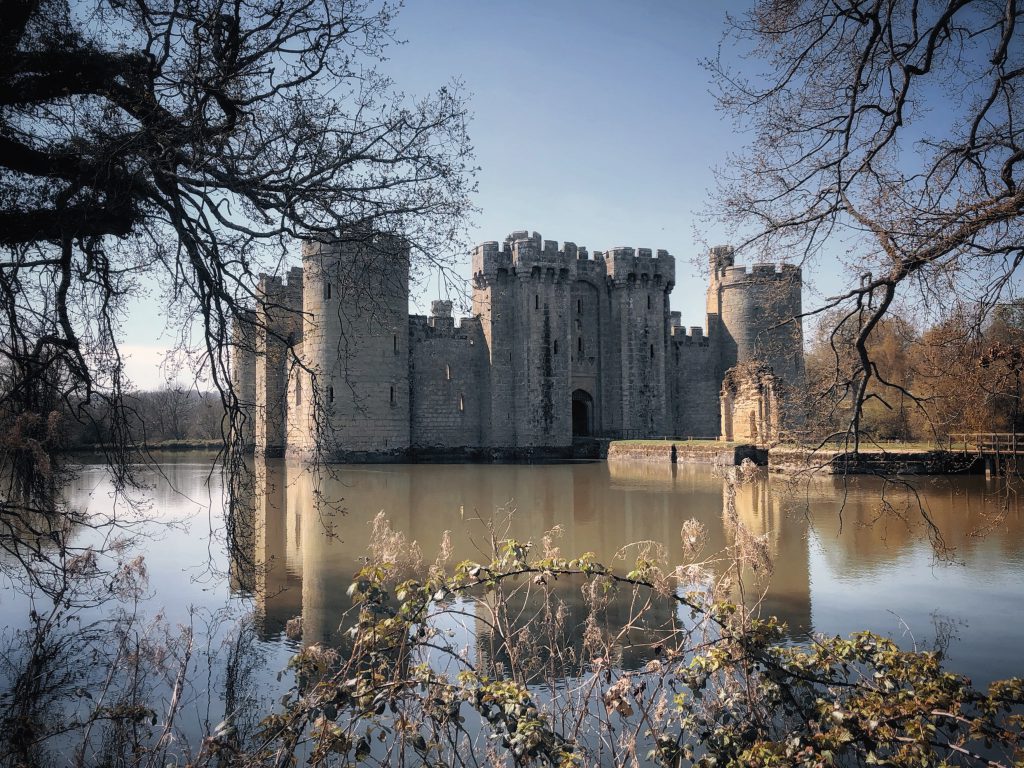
(840, 562)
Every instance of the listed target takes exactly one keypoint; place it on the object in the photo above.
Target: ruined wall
(447, 369)
(750, 404)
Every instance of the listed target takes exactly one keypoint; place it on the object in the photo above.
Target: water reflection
(839, 546)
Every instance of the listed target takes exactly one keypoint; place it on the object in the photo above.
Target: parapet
(489, 259)
(527, 255)
(761, 273)
(423, 328)
(626, 265)
(694, 336)
(276, 288)
(384, 249)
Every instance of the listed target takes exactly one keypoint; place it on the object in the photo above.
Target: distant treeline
(172, 417)
(959, 375)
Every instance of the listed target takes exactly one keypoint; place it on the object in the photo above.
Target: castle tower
(243, 376)
(278, 329)
(356, 342)
(522, 295)
(758, 315)
(641, 284)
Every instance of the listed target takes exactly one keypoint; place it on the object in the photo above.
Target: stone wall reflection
(311, 534)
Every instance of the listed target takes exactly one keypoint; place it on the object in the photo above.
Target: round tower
(760, 319)
(356, 342)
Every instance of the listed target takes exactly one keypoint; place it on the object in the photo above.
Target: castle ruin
(561, 344)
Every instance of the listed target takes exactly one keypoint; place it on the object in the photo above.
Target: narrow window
(462, 403)
(448, 373)
(327, 289)
(536, 301)
(330, 394)
(648, 301)
(392, 395)
(652, 351)
(556, 346)
(579, 306)
(394, 342)
(298, 390)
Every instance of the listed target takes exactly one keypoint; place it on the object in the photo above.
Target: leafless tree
(888, 135)
(191, 141)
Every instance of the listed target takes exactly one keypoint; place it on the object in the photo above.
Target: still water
(846, 554)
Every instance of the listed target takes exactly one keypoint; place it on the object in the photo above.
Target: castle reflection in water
(300, 541)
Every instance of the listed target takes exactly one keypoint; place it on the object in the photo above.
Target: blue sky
(592, 121)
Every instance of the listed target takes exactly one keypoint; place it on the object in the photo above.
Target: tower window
(298, 389)
(392, 395)
(330, 394)
(448, 373)
(556, 346)
(462, 403)
(652, 351)
(536, 301)
(579, 306)
(648, 301)
(394, 341)
(579, 344)
(327, 289)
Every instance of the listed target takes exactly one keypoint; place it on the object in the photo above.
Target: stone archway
(582, 413)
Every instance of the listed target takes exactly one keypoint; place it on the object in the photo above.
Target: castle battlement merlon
(760, 273)
(441, 324)
(527, 255)
(281, 290)
(694, 335)
(641, 264)
(534, 257)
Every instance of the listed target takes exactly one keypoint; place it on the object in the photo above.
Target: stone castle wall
(446, 368)
(559, 343)
(693, 384)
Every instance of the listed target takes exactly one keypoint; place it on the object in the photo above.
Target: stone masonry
(561, 344)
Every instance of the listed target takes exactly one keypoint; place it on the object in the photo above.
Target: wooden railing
(1009, 443)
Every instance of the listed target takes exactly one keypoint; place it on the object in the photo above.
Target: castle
(561, 344)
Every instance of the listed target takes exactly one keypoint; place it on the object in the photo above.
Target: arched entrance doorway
(582, 413)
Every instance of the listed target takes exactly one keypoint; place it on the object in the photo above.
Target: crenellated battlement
(694, 335)
(629, 265)
(275, 286)
(760, 273)
(424, 328)
(527, 254)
